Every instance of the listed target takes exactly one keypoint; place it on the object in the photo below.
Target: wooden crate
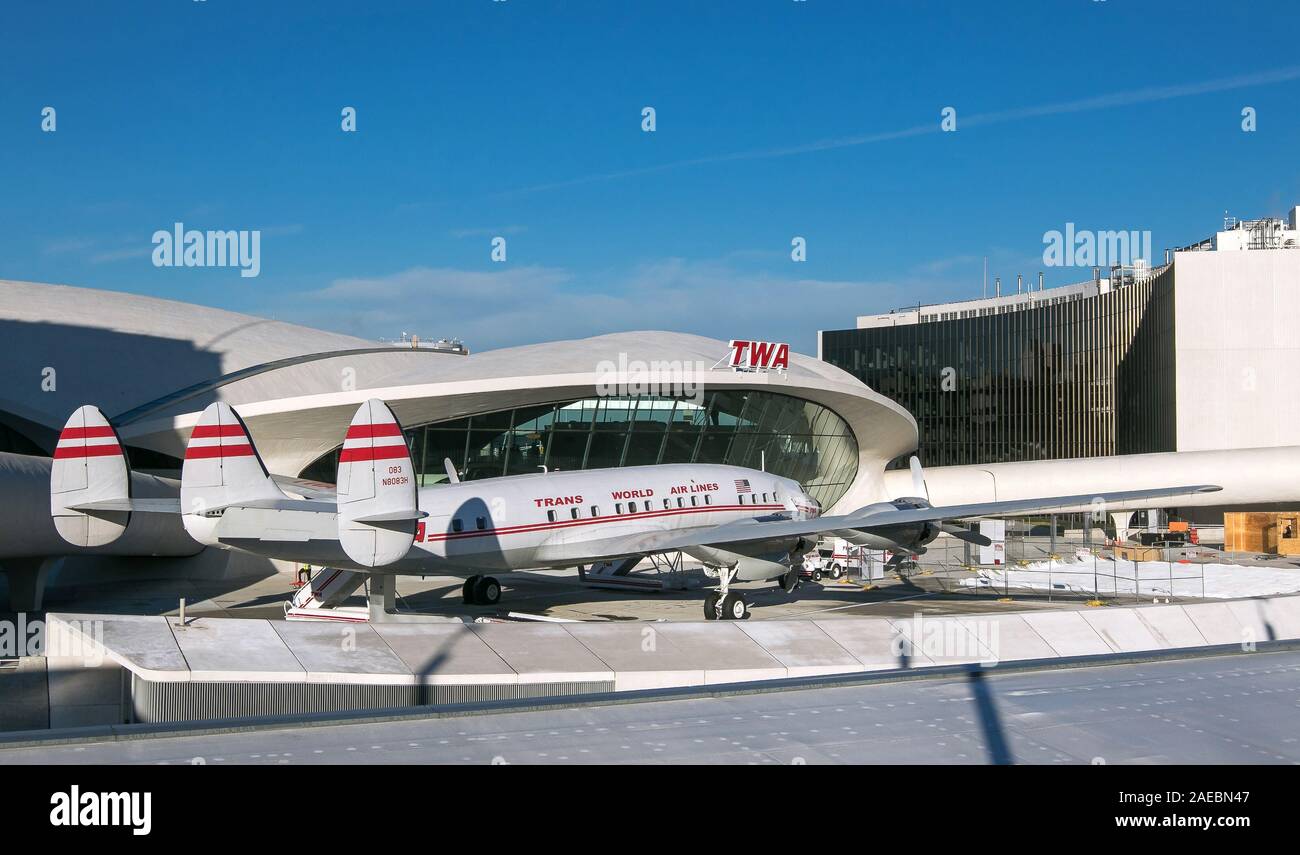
(1134, 552)
(1265, 532)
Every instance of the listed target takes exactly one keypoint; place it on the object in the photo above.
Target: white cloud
(122, 254)
(100, 250)
(62, 246)
(1145, 95)
(519, 305)
(460, 234)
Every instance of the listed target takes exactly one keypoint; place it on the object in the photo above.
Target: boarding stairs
(323, 596)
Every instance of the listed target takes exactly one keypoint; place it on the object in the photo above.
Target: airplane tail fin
(221, 468)
(376, 493)
(90, 481)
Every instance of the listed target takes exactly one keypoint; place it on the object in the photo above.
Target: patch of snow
(1091, 574)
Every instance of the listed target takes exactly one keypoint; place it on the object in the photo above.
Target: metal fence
(1056, 568)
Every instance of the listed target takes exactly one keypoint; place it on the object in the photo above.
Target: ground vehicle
(833, 557)
(814, 562)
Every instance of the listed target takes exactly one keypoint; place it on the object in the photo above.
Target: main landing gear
(724, 604)
(481, 591)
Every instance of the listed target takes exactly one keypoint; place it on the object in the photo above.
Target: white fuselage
(561, 519)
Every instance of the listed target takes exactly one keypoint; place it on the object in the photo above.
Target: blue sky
(522, 119)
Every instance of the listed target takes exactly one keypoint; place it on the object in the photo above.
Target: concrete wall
(24, 696)
(625, 655)
(83, 694)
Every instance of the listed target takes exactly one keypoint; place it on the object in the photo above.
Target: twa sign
(759, 356)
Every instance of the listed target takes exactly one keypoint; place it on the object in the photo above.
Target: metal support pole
(1050, 567)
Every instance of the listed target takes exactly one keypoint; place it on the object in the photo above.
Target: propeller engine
(911, 538)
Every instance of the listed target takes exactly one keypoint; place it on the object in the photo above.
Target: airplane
(741, 524)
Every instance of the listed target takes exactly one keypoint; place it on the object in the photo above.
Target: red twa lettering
(759, 354)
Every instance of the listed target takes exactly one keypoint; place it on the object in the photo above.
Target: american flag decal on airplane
(742, 485)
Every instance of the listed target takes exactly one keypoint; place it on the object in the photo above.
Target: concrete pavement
(1225, 709)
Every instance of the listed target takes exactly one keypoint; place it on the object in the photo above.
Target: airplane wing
(1052, 504)
(306, 488)
(316, 506)
(145, 506)
(302, 505)
(744, 531)
(173, 506)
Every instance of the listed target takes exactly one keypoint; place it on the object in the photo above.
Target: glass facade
(793, 438)
(1085, 377)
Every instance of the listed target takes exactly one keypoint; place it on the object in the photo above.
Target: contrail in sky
(1146, 95)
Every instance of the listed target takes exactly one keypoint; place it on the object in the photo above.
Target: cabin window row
(621, 509)
(633, 507)
(480, 523)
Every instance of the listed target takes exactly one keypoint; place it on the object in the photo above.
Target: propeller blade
(918, 477)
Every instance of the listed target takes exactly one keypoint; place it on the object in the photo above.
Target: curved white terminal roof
(120, 350)
(152, 365)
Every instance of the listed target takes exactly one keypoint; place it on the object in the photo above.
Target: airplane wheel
(711, 606)
(487, 591)
(837, 572)
(817, 575)
(467, 590)
(790, 581)
(734, 607)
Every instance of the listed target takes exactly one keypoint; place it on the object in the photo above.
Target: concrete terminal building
(1195, 355)
(614, 400)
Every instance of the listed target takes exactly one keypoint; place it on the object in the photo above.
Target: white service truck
(834, 557)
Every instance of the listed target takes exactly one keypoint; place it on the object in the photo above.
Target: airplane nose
(813, 507)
